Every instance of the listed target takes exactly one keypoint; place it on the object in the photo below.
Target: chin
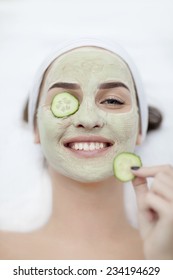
(94, 178)
(85, 174)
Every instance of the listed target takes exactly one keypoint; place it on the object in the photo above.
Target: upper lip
(88, 139)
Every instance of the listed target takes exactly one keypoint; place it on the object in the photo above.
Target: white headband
(108, 45)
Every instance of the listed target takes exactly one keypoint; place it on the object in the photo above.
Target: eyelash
(113, 101)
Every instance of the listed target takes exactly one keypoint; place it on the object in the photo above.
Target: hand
(155, 206)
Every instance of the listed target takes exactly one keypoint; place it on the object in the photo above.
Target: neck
(87, 210)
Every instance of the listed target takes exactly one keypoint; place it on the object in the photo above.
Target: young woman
(109, 115)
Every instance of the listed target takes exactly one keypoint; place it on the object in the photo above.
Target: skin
(88, 219)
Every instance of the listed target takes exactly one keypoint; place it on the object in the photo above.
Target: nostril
(97, 126)
(87, 126)
(88, 123)
(80, 125)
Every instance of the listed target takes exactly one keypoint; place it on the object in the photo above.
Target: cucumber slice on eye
(122, 166)
(64, 104)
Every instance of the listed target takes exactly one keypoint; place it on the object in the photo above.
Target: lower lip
(89, 154)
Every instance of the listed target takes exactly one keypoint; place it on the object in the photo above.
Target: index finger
(152, 171)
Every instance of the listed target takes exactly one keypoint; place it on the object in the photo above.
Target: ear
(36, 135)
(139, 139)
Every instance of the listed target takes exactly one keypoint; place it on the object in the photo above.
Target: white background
(30, 28)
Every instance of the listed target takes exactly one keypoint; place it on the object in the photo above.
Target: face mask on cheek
(122, 128)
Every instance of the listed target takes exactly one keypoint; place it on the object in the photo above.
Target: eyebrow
(65, 85)
(109, 85)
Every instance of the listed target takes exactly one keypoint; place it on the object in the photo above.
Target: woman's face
(103, 84)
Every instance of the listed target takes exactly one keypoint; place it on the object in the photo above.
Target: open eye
(112, 101)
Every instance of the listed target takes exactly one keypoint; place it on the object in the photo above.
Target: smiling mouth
(88, 149)
(87, 146)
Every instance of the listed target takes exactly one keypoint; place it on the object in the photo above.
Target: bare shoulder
(14, 245)
(130, 245)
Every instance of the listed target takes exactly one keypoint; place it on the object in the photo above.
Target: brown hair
(155, 118)
(154, 122)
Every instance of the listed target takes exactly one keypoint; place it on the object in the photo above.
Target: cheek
(124, 126)
(50, 127)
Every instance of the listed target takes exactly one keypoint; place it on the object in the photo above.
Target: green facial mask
(88, 67)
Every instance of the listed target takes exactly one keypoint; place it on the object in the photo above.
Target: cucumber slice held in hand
(122, 166)
(64, 104)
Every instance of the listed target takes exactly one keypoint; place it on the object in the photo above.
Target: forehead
(83, 62)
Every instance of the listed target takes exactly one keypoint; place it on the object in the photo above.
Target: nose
(88, 117)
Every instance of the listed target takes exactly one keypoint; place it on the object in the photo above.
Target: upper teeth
(87, 146)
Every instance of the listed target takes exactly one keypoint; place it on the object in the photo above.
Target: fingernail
(135, 167)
